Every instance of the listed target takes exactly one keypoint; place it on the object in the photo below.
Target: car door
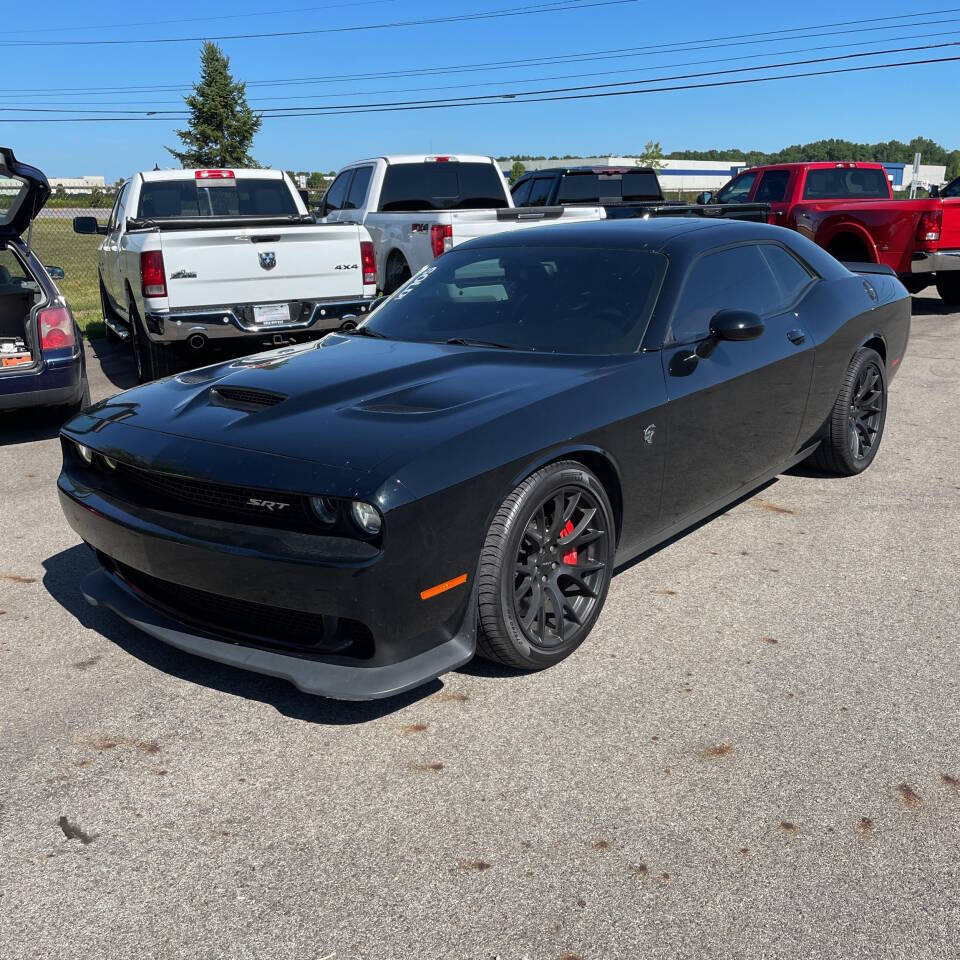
(950, 227)
(738, 189)
(109, 252)
(355, 201)
(773, 188)
(736, 414)
(540, 191)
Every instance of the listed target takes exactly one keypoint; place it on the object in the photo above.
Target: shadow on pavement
(930, 307)
(65, 571)
(30, 424)
(115, 361)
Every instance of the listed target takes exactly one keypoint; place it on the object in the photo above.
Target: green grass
(56, 244)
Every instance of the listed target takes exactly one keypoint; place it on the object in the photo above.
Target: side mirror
(55, 273)
(934, 191)
(88, 226)
(734, 325)
(705, 197)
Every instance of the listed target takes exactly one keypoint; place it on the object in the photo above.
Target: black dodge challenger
(465, 470)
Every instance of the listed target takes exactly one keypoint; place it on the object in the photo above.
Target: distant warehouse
(693, 176)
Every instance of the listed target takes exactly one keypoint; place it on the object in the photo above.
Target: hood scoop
(245, 398)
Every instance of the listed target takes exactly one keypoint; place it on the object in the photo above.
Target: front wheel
(545, 568)
(853, 433)
(948, 286)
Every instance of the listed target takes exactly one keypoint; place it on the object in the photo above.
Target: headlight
(366, 517)
(108, 463)
(324, 509)
(86, 454)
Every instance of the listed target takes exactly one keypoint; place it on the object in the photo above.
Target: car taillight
(441, 238)
(56, 328)
(153, 282)
(368, 262)
(928, 229)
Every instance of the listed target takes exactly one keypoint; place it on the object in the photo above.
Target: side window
(951, 189)
(734, 279)
(116, 215)
(521, 193)
(773, 186)
(792, 277)
(539, 191)
(336, 196)
(737, 190)
(358, 189)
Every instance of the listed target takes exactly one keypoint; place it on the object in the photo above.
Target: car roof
(158, 176)
(590, 168)
(819, 165)
(652, 234)
(421, 158)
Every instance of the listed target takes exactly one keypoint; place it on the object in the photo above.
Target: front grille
(240, 618)
(198, 498)
(246, 398)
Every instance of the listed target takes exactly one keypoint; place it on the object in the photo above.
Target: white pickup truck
(417, 207)
(191, 258)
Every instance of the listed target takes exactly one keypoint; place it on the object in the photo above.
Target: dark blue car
(41, 355)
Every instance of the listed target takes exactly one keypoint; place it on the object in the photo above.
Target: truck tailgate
(468, 224)
(237, 265)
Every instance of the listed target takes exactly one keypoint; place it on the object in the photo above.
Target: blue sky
(868, 106)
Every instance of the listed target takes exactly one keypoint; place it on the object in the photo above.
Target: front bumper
(236, 321)
(938, 261)
(407, 641)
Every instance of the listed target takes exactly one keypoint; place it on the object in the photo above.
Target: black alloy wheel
(866, 411)
(851, 436)
(546, 567)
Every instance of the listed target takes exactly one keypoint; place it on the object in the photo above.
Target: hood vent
(245, 398)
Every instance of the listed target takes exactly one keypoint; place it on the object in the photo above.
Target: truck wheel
(106, 311)
(152, 361)
(853, 433)
(948, 286)
(545, 568)
(397, 272)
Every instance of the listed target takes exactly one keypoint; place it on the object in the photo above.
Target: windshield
(442, 186)
(846, 184)
(246, 197)
(580, 300)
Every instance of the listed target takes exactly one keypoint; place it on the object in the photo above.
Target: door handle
(796, 336)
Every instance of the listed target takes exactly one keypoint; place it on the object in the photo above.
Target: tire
(519, 621)
(152, 361)
(107, 311)
(850, 443)
(948, 286)
(397, 273)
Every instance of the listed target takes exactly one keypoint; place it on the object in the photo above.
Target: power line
(223, 16)
(605, 73)
(392, 108)
(615, 53)
(551, 6)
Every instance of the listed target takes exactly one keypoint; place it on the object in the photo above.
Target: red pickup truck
(849, 209)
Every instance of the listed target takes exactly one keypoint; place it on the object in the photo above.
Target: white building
(77, 184)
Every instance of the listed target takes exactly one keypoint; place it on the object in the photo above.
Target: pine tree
(222, 125)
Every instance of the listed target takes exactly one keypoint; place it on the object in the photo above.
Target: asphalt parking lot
(755, 755)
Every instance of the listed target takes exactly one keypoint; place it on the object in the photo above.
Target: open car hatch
(23, 192)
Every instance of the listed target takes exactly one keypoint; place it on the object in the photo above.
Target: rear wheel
(397, 272)
(948, 286)
(545, 568)
(152, 361)
(853, 433)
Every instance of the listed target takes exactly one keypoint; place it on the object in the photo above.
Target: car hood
(348, 401)
(23, 192)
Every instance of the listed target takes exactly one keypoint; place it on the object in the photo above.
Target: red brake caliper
(570, 557)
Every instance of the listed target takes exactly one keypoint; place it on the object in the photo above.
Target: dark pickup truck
(623, 192)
